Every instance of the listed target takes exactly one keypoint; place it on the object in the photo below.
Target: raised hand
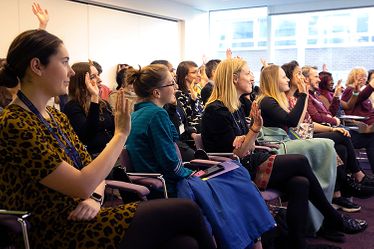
(324, 68)
(255, 115)
(41, 14)
(264, 62)
(122, 119)
(91, 85)
(228, 53)
(338, 89)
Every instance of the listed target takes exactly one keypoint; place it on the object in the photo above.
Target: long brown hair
(77, 87)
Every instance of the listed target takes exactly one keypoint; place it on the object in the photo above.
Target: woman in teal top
(151, 141)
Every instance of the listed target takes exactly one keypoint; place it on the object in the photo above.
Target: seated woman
(151, 147)
(91, 117)
(179, 118)
(343, 146)
(187, 76)
(355, 86)
(224, 129)
(41, 154)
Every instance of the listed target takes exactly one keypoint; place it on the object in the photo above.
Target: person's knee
(298, 184)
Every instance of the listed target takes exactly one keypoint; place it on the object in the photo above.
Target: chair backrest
(125, 161)
(198, 142)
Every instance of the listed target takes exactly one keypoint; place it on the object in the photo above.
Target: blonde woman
(224, 129)
(363, 107)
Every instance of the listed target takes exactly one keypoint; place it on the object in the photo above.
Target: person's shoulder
(216, 106)
(14, 117)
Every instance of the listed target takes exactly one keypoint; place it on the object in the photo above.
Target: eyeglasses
(171, 84)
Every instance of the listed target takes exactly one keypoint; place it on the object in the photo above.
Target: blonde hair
(224, 88)
(353, 74)
(270, 88)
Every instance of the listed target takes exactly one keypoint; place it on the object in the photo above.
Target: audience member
(179, 118)
(364, 137)
(210, 68)
(91, 117)
(187, 76)
(104, 91)
(224, 129)
(45, 154)
(151, 149)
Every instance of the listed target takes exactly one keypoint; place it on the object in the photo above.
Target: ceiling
(207, 5)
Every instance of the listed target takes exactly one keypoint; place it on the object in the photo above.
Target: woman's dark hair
(26, 46)
(325, 78)
(370, 72)
(5, 97)
(98, 67)
(289, 68)
(120, 78)
(162, 62)
(182, 72)
(146, 79)
(77, 86)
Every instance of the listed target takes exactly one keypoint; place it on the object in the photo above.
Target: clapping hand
(255, 115)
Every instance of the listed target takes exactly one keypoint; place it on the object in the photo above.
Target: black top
(94, 129)
(275, 116)
(178, 117)
(219, 127)
(206, 92)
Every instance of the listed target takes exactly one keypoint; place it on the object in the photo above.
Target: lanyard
(70, 150)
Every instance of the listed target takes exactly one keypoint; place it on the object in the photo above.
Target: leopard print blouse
(28, 153)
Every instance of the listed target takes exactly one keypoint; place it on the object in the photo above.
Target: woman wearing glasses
(90, 116)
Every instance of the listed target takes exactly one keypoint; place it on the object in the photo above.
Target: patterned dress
(29, 153)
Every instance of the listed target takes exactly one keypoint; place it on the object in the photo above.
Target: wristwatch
(97, 197)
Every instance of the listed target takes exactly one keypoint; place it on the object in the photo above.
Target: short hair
(182, 72)
(146, 79)
(289, 68)
(210, 66)
(162, 62)
(36, 43)
(306, 70)
(98, 67)
(224, 88)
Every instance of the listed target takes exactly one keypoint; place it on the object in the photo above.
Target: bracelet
(355, 93)
(254, 130)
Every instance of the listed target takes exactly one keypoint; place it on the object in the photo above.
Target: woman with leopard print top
(46, 170)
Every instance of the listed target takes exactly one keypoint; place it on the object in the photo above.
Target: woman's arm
(70, 181)
(273, 113)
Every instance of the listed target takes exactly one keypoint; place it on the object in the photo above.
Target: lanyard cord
(70, 150)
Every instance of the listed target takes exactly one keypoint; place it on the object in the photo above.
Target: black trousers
(344, 148)
(364, 140)
(293, 175)
(167, 224)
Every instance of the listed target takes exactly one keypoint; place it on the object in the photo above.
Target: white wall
(113, 36)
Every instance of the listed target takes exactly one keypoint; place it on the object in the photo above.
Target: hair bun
(8, 76)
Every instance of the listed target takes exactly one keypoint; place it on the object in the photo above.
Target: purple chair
(150, 180)
(269, 195)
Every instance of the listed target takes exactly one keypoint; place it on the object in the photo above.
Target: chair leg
(24, 232)
(161, 178)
